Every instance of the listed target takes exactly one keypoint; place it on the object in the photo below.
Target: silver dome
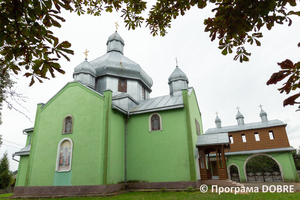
(114, 63)
(178, 74)
(84, 67)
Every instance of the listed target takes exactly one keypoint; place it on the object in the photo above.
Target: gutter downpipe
(29, 135)
(24, 133)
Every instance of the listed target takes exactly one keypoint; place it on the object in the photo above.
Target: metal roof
(24, 151)
(85, 67)
(212, 139)
(260, 151)
(114, 63)
(243, 127)
(158, 103)
(178, 74)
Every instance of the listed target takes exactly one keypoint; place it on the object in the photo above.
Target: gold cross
(86, 53)
(238, 108)
(117, 25)
(260, 106)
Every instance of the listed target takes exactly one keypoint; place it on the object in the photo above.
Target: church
(102, 132)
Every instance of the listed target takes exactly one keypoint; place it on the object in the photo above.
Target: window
(68, 124)
(230, 139)
(271, 135)
(155, 123)
(122, 87)
(64, 155)
(256, 135)
(244, 138)
(197, 127)
(143, 94)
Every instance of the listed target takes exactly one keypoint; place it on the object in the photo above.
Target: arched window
(64, 155)
(68, 124)
(155, 123)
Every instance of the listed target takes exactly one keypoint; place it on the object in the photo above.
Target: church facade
(103, 132)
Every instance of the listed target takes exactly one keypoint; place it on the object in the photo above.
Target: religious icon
(65, 156)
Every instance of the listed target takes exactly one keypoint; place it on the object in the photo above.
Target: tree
(296, 156)
(5, 174)
(28, 44)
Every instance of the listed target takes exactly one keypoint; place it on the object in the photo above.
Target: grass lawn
(186, 195)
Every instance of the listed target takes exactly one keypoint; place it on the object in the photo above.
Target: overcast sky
(221, 84)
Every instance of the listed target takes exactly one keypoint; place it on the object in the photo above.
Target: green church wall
(194, 113)
(285, 160)
(48, 133)
(116, 150)
(22, 169)
(158, 156)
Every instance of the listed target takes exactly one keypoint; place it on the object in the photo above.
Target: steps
(223, 183)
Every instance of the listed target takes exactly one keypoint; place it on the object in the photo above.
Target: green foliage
(163, 189)
(261, 164)
(5, 174)
(296, 156)
(5, 85)
(190, 189)
(290, 71)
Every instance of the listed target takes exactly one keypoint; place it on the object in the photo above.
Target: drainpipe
(13, 157)
(29, 135)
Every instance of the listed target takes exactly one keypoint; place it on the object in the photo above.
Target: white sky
(221, 84)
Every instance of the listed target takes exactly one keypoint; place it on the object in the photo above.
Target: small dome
(85, 67)
(115, 43)
(262, 113)
(217, 120)
(115, 36)
(239, 115)
(178, 74)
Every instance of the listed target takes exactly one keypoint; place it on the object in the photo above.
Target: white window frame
(244, 140)
(256, 135)
(271, 135)
(64, 124)
(160, 121)
(58, 155)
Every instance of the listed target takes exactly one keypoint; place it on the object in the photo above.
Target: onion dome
(177, 75)
(85, 74)
(263, 116)
(115, 64)
(178, 81)
(218, 122)
(240, 118)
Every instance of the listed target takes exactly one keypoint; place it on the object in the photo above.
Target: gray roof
(260, 151)
(158, 103)
(213, 139)
(85, 67)
(243, 127)
(114, 63)
(178, 74)
(24, 151)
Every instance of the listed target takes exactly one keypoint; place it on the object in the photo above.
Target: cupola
(263, 115)
(178, 81)
(85, 74)
(240, 118)
(218, 122)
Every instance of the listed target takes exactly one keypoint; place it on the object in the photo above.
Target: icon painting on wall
(65, 156)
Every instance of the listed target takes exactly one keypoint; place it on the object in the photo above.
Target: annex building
(226, 152)
(102, 133)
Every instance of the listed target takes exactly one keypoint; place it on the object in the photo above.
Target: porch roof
(212, 139)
